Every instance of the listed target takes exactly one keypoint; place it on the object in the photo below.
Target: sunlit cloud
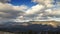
(43, 10)
(9, 11)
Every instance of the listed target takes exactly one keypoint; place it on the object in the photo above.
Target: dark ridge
(34, 27)
(37, 28)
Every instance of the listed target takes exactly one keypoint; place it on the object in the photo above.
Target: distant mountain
(31, 25)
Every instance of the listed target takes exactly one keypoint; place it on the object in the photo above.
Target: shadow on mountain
(17, 27)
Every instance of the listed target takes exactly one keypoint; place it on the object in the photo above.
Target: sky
(21, 10)
(23, 2)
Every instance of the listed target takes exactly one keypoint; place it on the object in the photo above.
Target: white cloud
(20, 8)
(9, 11)
(7, 6)
(43, 10)
(47, 3)
(56, 12)
(34, 9)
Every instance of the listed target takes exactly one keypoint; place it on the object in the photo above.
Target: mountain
(31, 25)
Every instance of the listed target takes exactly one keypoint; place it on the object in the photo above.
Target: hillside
(31, 25)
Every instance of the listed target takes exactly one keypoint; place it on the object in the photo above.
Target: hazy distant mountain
(31, 25)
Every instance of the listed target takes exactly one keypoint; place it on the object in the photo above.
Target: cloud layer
(45, 9)
(9, 11)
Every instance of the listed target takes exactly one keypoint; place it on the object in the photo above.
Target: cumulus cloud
(9, 11)
(47, 3)
(34, 9)
(42, 11)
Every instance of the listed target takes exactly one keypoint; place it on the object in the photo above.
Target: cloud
(58, 4)
(5, 1)
(33, 12)
(34, 9)
(9, 11)
(20, 8)
(47, 3)
(39, 10)
(42, 11)
(12, 7)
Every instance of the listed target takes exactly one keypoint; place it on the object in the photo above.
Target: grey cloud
(5, 1)
(9, 11)
(45, 11)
